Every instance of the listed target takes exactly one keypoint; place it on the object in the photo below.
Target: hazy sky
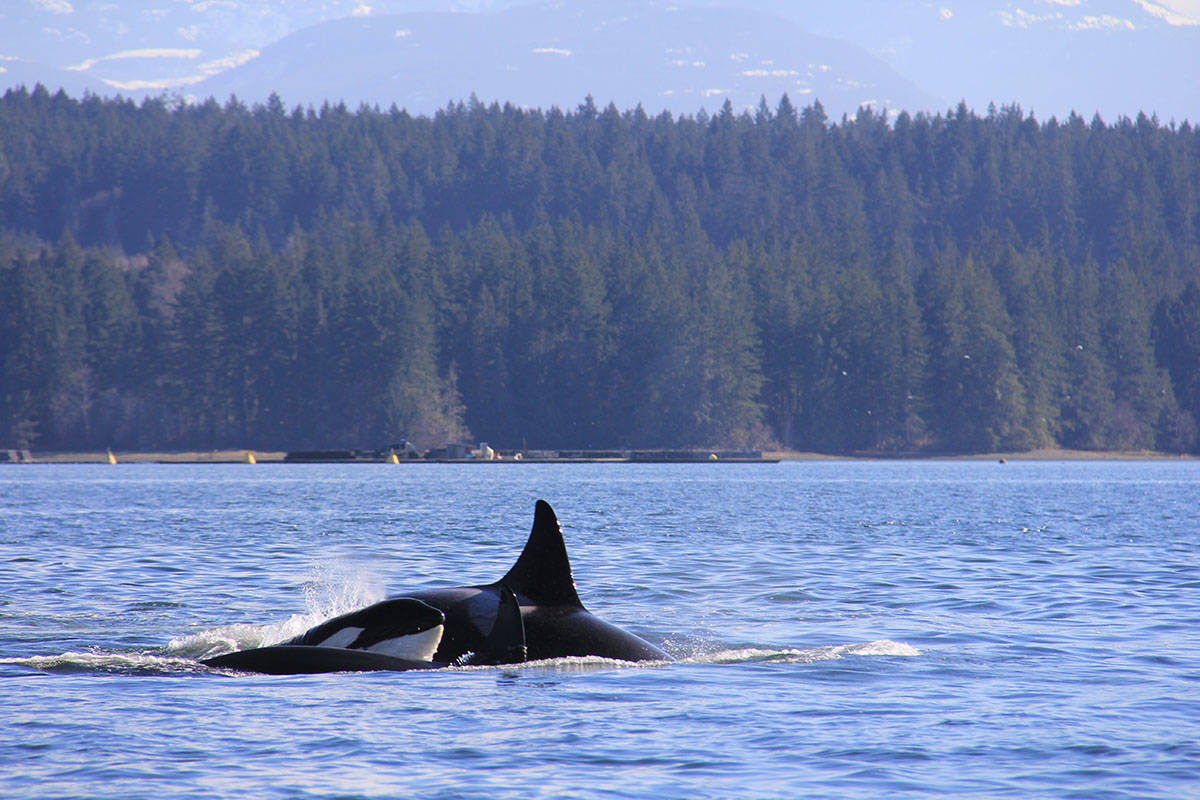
(1112, 56)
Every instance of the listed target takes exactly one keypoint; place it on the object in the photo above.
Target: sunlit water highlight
(840, 630)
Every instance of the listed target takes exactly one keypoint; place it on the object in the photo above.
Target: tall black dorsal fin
(542, 574)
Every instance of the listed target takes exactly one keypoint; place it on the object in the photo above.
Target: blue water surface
(840, 630)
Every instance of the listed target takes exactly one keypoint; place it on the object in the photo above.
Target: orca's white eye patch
(342, 638)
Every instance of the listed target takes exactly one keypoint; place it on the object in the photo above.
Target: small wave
(242, 636)
(579, 664)
(747, 655)
(92, 662)
(882, 647)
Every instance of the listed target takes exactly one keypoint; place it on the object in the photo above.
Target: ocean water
(840, 630)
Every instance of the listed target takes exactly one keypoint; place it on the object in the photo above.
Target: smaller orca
(398, 634)
(533, 612)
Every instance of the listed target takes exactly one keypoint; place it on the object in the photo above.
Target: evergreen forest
(207, 275)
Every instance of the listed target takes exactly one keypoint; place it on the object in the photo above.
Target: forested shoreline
(215, 275)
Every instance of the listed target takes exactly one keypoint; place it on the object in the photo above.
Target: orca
(532, 613)
(398, 634)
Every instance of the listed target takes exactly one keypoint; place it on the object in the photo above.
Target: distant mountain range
(659, 55)
(1051, 56)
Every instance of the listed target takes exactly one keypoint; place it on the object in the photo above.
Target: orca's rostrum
(532, 613)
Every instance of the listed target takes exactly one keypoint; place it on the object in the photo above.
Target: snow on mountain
(159, 45)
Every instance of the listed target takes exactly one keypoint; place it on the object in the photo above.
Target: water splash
(332, 591)
(97, 662)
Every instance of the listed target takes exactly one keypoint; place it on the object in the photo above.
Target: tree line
(213, 275)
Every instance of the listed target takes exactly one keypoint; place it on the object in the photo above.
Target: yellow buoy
(712, 456)
(393, 459)
(111, 458)
(250, 459)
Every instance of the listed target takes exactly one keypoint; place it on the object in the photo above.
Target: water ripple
(842, 630)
